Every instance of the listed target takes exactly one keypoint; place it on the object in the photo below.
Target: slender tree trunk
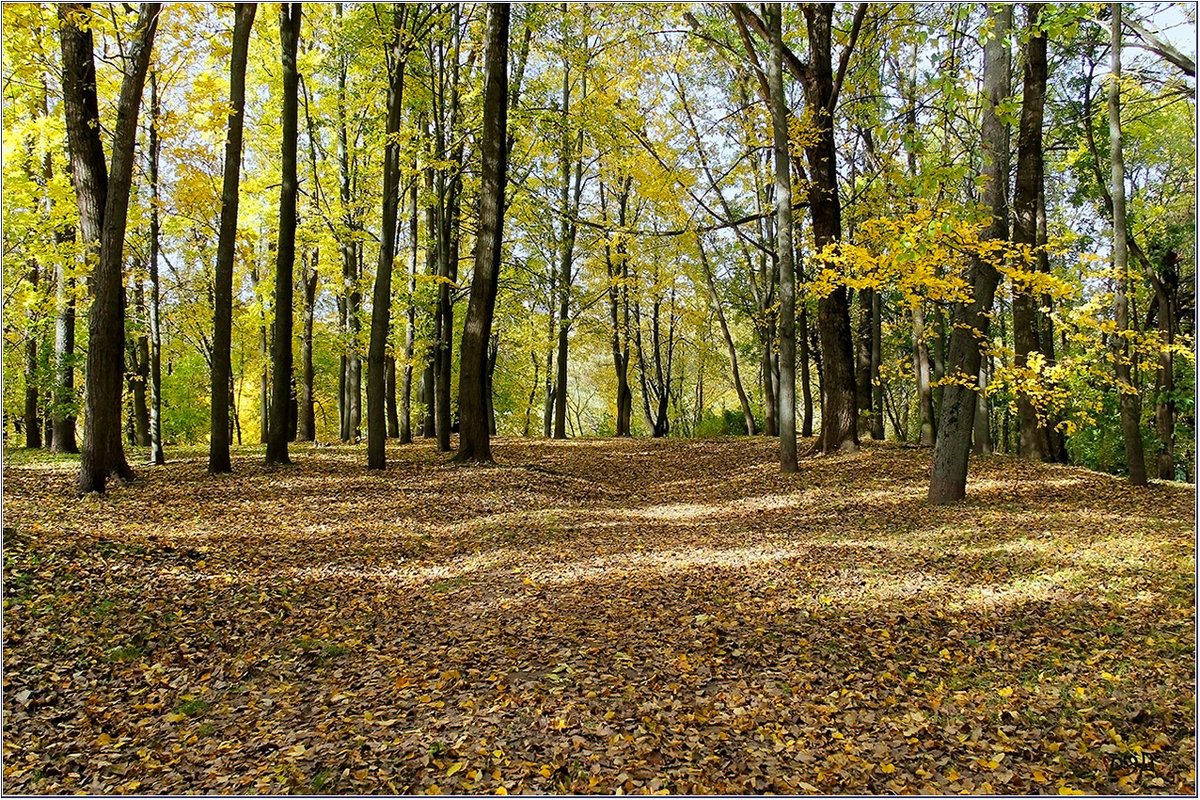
(139, 373)
(410, 328)
(862, 359)
(474, 441)
(306, 427)
(63, 433)
(1127, 390)
(350, 379)
(218, 448)
(1033, 442)
(784, 248)
(923, 377)
(103, 453)
(382, 299)
(155, 322)
(285, 254)
(982, 438)
(876, 362)
(948, 477)
(805, 379)
(489, 383)
(33, 430)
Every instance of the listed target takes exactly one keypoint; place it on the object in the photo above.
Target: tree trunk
(410, 328)
(154, 321)
(389, 396)
(306, 428)
(948, 476)
(218, 447)
(139, 373)
(103, 453)
(784, 248)
(474, 440)
(381, 305)
(839, 424)
(876, 387)
(489, 379)
(63, 424)
(33, 430)
(805, 379)
(1127, 391)
(285, 254)
(922, 368)
(350, 379)
(981, 439)
(1033, 442)
(1164, 381)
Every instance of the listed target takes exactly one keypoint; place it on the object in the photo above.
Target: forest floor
(596, 616)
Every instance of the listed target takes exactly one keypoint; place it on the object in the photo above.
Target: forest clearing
(597, 615)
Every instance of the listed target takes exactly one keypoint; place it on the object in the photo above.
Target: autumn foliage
(597, 616)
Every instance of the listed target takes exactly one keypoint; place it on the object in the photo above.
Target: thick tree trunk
(1127, 391)
(784, 247)
(285, 254)
(474, 440)
(1164, 382)
(103, 453)
(222, 370)
(1033, 441)
(948, 477)
(839, 424)
(381, 304)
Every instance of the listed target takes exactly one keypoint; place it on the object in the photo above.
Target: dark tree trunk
(474, 440)
(33, 430)
(805, 379)
(1033, 441)
(617, 261)
(389, 396)
(839, 424)
(350, 378)
(489, 383)
(285, 254)
(222, 370)
(63, 425)
(381, 304)
(948, 477)
(306, 426)
(139, 374)
(784, 247)
(103, 453)
(862, 359)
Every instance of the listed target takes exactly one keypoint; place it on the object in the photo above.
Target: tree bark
(103, 453)
(222, 370)
(784, 247)
(1127, 391)
(410, 328)
(1033, 442)
(743, 400)
(285, 253)
(381, 304)
(948, 476)
(839, 424)
(139, 372)
(306, 426)
(474, 440)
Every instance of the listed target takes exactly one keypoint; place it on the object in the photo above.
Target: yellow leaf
(1108, 676)
(1068, 790)
(175, 716)
(455, 767)
(434, 789)
(496, 774)
(886, 768)
(501, 790)
(1039, 776)
(944, 653)
(1005, 691)
(296, 750)
(546, 770)
(104, 738)
(952, 775)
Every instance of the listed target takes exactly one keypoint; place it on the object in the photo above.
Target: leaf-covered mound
(597, 616)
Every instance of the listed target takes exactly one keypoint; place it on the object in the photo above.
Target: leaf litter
(598, 616)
